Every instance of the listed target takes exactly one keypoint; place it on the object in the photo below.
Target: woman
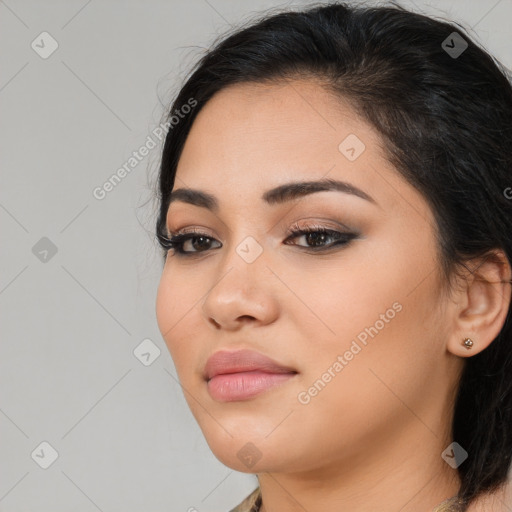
(335, 213)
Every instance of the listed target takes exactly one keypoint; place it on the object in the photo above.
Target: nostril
(246, 317)
(217, 325)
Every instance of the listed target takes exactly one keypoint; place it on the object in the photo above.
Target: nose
(243, 291)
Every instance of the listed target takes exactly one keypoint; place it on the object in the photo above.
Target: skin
(372, 438)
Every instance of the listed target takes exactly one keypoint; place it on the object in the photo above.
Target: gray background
(70, 321)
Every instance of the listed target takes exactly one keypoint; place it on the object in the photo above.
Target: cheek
(174, 306)
(178, 292)
(377, 308)
(338, 300)
(165, 306)
(383, 357)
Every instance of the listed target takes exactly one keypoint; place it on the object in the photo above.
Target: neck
(409, 475)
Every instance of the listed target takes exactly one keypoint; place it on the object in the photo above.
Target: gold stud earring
(468, 343)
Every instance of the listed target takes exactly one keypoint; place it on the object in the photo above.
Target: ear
(482, 303)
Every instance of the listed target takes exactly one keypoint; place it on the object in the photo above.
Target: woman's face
(363, 324)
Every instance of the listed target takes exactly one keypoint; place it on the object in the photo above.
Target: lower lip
(244, 385)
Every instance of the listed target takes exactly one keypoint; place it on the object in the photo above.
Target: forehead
(260, 130)
(249, 138)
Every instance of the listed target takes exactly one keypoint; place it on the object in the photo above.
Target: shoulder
(250, 504)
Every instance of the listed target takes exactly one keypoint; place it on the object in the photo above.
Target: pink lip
(242, 374)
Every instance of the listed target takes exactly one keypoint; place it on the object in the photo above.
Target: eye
(189, 243)
(316, 238)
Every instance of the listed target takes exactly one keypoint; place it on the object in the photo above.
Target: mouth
(230, 387)
(243, 374)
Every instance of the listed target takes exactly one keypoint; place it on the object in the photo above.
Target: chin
(248, 449)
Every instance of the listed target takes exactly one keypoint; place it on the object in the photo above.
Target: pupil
(315, 238)
(203, 238)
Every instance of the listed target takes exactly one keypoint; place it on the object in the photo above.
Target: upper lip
(244, 360)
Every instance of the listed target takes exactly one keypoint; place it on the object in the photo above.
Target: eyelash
(341, 239)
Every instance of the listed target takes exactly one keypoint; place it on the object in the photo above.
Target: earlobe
(483, 304)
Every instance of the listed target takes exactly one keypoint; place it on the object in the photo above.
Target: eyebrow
(278, 195)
